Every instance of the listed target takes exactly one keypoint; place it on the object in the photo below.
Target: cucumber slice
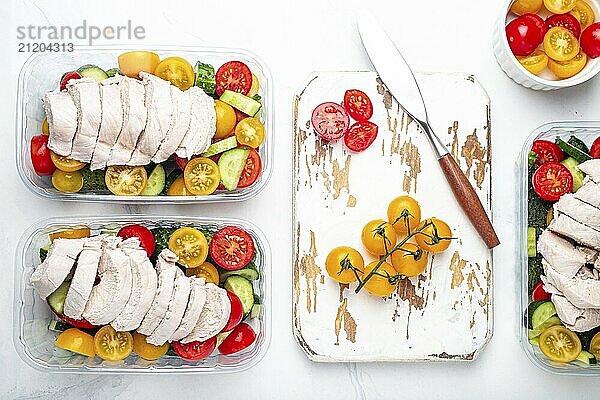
(531, 242)
(243, 103)
(585, 357)
(113, 72)
(255, 312)
(58, 326)
(580, 144)
(222, 336)
(533, 333)
(92, 71)
(578, 176)
(573, 151)
(205, 78)
(243, 289)
(220, 146)
(248, 273)
(56, 300)
(156, 181)
(231, 165)
(44, 252)
(535, 341)
(542, 314)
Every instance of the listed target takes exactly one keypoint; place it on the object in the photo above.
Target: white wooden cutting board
(444, 314)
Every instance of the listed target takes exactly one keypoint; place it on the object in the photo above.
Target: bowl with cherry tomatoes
(549, 44)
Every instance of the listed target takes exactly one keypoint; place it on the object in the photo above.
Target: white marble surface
(295, 38)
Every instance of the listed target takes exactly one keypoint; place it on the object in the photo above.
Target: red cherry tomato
(144, 234)
(566, 21)
(358, 105)
(252, 169)
(539, 293)
(241, 337)
(595, 149)
(547, 151)
(40, 156)
(552, 180)
(330, 121)
(234, 76)
(67, 77)
(231, 248)
(236, 314)
(361, 135)
(77, 323)
(525, 34)
(590, 40)
(195, 351)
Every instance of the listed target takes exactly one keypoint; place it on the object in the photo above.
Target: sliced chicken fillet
(182, 105)
(561, 254)
(574, 318)
(62, 121)
(581, 233)
(214, 315)
(86, 96)
(589, 193)
(111, 123)
(592, 169)
(194, 308)
(581, 292)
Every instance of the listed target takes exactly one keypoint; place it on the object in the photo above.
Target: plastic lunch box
(587, 131)
(41, 73)
(35, 342)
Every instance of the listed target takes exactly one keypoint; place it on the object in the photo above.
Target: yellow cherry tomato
(595, 346)
(560, 44)
(111, 345)
(410, 260)
(403, 213)
(76, 341)
(225, 119)
(201, 176)
(124, 180)
(378, 237)
(190, 245)
(559, 6)
(568, 69)
(340, 262)
(65, 163)
(435, 237)
(134, 62)
(67, 182)
(250, 132)
(584, 14)
(379, 284)
(535, 63)
(255, 86)
(521, 7)
(178, 188)
(560, 344)
(177, 71)
(206, 271)
(76, 233)
(146, 350)
(45, 127)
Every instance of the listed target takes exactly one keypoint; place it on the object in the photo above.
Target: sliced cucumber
(573, 151)
(243, 289)
(220, 146)
(586, 357)
(231, 165)
(531, 242)
(222, 336)
(535, 341)
(92, 71)
(205, 77)
(156, 181)
(56, 300)
(58, 326)
(580, 144)
(113, 72)
(248, 273)
(578, 176)
(533, 333)
(255, 312)
(243, 103)
(542, 314)
(44, 252)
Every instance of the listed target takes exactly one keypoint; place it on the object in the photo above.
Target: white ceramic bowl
(519, 74)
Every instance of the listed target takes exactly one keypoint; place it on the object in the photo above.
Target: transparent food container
(587, 131)
(42, 72)
(35, 342)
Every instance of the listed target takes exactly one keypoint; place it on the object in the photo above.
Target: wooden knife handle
(468, 200)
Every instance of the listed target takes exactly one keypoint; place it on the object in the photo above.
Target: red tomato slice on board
(144, 234)
(590, 40)
(231, 248)
(330, 121)
(552, 180)
(525, 34)
(195, 351)
(40, 156)
(241, 337)
(251, 170)
(236, 314)
(361, 135)
(539, 293)
(595, 149)
(234, 76)
(358, 105)
(566, 21)
(67, 77)
(547, 151)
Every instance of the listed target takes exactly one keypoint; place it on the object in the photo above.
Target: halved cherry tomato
(552, 180)
(76, 233)
(201, 176)
(234, 76)
(361, 135)
(535, 63)
(560, 44)
(252, 169)
(539, 293)
(77, 323)
(178, 188)
(595, 345)
(45, 127)
(146, 350)
(330, 121)
(195, 351)
(65, 163)
(567, 21)
(190, 245)
(76, 341)
(232, 248)
(67, 77)
(125, 180)
(226, 119)
(134, 62)
(584, 13)
(206, 270)
(559, 6)
(111, 345)
(255, 86)
(144, 234)
(358, 105)
(547, 151)
(250, 132)
(236, 314)
(525, 34)
(560, 344)
(40, 156)
(521, 7)
(590, 40)
(595, 149)
(344, 264)
(177, 71)
(568, 69)
(241, 338)
(67, 182)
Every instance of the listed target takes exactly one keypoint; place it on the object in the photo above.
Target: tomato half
(195, 351)
(358, 105)
(206, 270)
(560, 44)
(67, 182)
(232, 248)
(547, 151)
(111, 345)
(250, 132)
(584, 13)
(340, 264)
(539, 293)
(144, 234)
(67, 77)
(568, 69)
(190, 245)
(76, 341)
(241, 338)
(236, 314)
(134, 62)
(567, 21)
(176, 70)
(595, 346)
(146, 350)
(595, 149)
(178, 188)
(201, 176)
(252, 169)
(226, 119)
(525, 34)
(76, 233)
(521, 7)
(330, 121)
(77, 323)
(590, 40)
(361, 135)
(535, 63)
(559, 6)
(234, 76)
(65, 163)
(552, 180)
(41, 156)
(125, 180)
(560, 344)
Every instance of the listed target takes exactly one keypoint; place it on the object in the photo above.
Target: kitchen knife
(400, 80)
